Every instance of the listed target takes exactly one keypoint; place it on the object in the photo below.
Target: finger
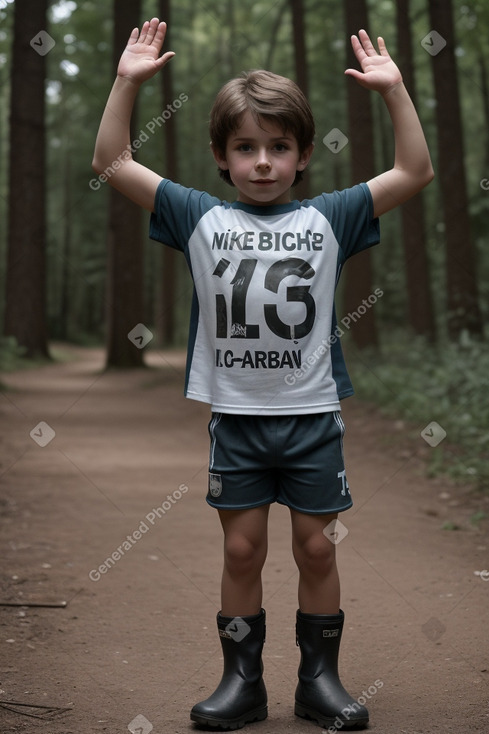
(160, 34)
(358, 48)
(382, 47)
(358, 76)
(163, 60)
(144, 31)
(152, 29)
(367, 44)
(133, 37)
(354, 73)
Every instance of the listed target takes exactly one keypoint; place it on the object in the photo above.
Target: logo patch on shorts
(215, 485)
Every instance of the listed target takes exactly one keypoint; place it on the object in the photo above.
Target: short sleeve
(350, 213)
(177, 210)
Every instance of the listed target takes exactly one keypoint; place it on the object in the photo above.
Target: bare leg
(245, 551)
(319, 584)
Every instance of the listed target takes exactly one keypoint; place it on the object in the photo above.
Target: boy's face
(262, 162)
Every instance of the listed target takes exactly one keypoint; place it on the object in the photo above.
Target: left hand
(379, 72)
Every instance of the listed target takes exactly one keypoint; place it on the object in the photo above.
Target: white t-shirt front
(263, 336)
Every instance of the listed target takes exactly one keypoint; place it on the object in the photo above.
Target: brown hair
(267, 96)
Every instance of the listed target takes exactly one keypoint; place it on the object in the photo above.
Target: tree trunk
(420, 302)
(273, 37)
(66, 253)
(302, 190)
(462, 298)
(484, 84)
(359, 270)
(169, 270)
(25, 311)
(125, 245)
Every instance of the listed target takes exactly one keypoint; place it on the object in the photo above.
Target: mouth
(263, 181)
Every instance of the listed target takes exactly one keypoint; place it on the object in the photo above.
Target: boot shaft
(319, 637)
(242, 640)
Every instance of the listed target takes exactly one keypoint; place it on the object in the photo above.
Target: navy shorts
(296, 460)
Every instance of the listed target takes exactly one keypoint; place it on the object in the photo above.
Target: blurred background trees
(76, 263)
(432, 263)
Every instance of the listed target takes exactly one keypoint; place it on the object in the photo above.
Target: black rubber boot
(241, 696)
(320, 695)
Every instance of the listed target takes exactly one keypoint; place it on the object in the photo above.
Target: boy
(265, 269)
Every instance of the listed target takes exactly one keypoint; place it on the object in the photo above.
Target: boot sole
(326, 721)
(213, 722)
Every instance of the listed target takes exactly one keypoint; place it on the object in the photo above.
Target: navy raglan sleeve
(177, 210)
(350, 213)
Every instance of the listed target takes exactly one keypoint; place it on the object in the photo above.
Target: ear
(305, 157)
(221, 162)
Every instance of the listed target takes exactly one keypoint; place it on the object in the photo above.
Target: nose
(262, 160)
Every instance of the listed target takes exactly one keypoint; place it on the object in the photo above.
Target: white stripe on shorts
(212, 427)
(341, 426)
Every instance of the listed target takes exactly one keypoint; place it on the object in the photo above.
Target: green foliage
(10, 354)
(423, 383)
(213, 41)
(450, 525)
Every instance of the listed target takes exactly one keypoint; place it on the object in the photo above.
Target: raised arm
(412, 169)
(113, 155)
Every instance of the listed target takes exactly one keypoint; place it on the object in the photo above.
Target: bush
(10, 353)
(423, 383)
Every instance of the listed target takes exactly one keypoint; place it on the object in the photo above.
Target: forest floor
(135, 647)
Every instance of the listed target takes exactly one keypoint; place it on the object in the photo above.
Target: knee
(315, 555)
(242, 555)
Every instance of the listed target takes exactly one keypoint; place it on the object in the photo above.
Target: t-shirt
(263, 336)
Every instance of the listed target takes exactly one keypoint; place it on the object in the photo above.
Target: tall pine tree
(25, 310)
(420, 302)
(359, 270)
(462, 294)
(125, 244)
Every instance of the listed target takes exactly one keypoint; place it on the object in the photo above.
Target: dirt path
(126, 470)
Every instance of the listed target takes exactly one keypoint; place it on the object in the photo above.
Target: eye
(244, 147)
(280, 147)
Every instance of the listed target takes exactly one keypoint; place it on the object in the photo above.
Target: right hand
(141, 58)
